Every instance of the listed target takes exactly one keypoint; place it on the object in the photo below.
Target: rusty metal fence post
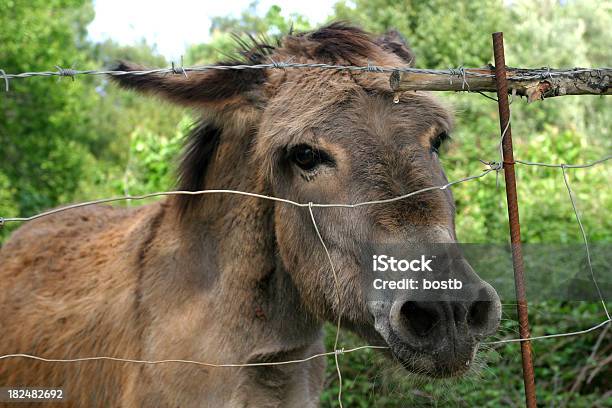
(513, 216)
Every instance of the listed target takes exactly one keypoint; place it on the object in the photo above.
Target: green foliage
(43, 126)
(66, 141)
(226, 29)
(443, 34)
(151, 158)
(7, 194)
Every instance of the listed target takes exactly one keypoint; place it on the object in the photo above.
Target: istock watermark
(443, 272)
(384, 263)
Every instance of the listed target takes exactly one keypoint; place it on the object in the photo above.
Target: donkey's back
(67, 290)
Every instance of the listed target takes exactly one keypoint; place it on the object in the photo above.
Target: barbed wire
(459, 72)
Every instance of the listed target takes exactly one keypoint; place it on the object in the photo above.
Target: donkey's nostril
(419, 318)
(480, 315)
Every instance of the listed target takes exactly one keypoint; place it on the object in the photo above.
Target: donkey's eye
(307, 158)
(437, 142)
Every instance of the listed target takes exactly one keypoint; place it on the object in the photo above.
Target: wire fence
(460, 72)
(571, 81)
(491, 166)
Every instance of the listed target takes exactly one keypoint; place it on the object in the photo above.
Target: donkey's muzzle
(446, 331)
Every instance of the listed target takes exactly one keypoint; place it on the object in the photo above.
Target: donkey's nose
(484, 313)
(425, 324)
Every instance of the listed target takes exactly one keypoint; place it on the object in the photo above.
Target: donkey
(223, 278)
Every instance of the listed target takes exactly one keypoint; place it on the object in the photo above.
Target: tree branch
(536, 84)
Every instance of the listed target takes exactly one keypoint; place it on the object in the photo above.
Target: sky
(173, 25)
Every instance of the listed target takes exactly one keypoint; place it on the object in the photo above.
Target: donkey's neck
(230, 242)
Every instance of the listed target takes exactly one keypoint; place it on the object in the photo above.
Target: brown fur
(224, 278)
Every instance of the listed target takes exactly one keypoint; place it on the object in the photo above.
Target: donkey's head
(337, 136)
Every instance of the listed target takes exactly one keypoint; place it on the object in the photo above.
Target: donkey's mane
(338, 41)
(198, 149)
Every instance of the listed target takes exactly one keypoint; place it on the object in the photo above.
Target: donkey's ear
(393, 41)
(215, 89)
